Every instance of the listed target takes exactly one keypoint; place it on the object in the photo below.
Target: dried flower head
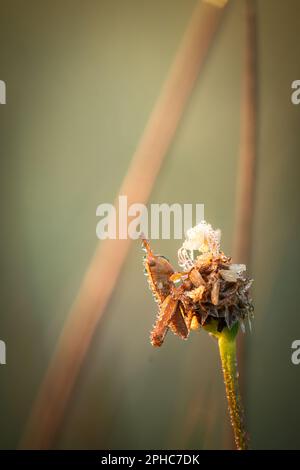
(210, 287)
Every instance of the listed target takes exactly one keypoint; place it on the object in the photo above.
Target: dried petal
(196, 294)
(204, 315)
(242, 325)
(228, 275)
(215, 292)
(203, 262)
(238, 268)
(196, 278)
(227, 317)
(214, 312)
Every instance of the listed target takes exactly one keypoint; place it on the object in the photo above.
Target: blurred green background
(82, 78)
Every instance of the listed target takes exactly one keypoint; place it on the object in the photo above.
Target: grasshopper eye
(151, 262)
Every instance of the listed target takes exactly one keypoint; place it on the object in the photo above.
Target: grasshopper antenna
(145, 244)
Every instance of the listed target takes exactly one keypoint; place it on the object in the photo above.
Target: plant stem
(227, 348)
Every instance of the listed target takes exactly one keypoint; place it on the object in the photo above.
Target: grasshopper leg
(166, 312)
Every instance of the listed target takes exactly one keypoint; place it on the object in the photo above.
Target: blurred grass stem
(105, 266)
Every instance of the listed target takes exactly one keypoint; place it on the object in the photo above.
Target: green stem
(227, 347)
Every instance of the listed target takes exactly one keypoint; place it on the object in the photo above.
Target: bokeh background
(82, 78)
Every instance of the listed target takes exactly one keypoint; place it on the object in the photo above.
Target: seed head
(209, 289)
